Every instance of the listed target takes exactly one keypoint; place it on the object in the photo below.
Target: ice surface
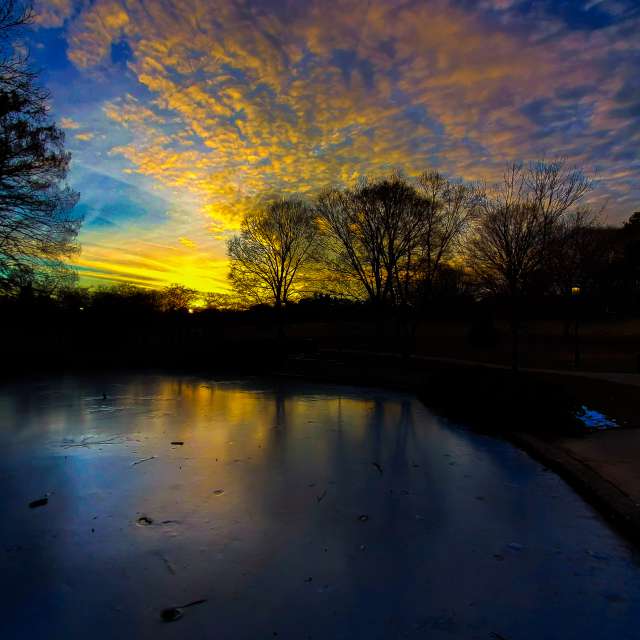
(301, 510)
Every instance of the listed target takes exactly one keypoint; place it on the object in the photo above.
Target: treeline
(378, 266)
(400, 243)
(403, 246)
(65, 296)
(406, 245)
(396, 242)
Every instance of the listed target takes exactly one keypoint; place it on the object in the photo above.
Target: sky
(182, 115)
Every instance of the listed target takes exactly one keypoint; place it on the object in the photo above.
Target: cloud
(148, 262)
(69, 123)
(187, 243)
(84, 137)
(218, 105)
(52, 13)
(92, 34)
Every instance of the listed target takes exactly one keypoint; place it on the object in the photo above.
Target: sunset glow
(181, 113)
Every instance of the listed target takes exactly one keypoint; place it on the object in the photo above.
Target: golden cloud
(52, 13)
(247, 100)
(69, 123)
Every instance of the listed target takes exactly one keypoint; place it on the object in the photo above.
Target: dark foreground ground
(296, 510)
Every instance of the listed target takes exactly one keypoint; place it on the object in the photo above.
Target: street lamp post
(575, 294)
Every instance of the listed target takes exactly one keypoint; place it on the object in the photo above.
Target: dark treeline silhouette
(460, 316)
(428, 265)
(526, 247)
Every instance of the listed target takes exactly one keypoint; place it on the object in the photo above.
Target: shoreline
(548, 447)
(610, 500)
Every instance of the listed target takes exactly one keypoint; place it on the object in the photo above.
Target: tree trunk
(280, 332)
(515, 336)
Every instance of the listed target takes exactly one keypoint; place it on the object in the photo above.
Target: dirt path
(613, 454)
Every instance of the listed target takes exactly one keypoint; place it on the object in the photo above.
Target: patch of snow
(594, 419)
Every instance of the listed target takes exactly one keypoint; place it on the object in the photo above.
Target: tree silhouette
(369, 234)
(634, 221)
(176, 297)
(580, 252)
(518, 229)
(445, 212)
(37, 228)
(270, 253)
(388, 240)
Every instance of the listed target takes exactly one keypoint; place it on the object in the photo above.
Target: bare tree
(505, 253)
(552, 187)
(519, 225)
(389, 239)
(221, 302)
(579, 251)
(14, 14)
(37, 227)
(506, 250)
(177, 297)
(580, 254)
(368, 234)
(445, 212)
(269, 255)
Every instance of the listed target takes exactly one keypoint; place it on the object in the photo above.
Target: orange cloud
(52, 13)
(237, 100)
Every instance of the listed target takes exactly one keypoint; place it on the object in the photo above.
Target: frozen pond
(296, 510)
